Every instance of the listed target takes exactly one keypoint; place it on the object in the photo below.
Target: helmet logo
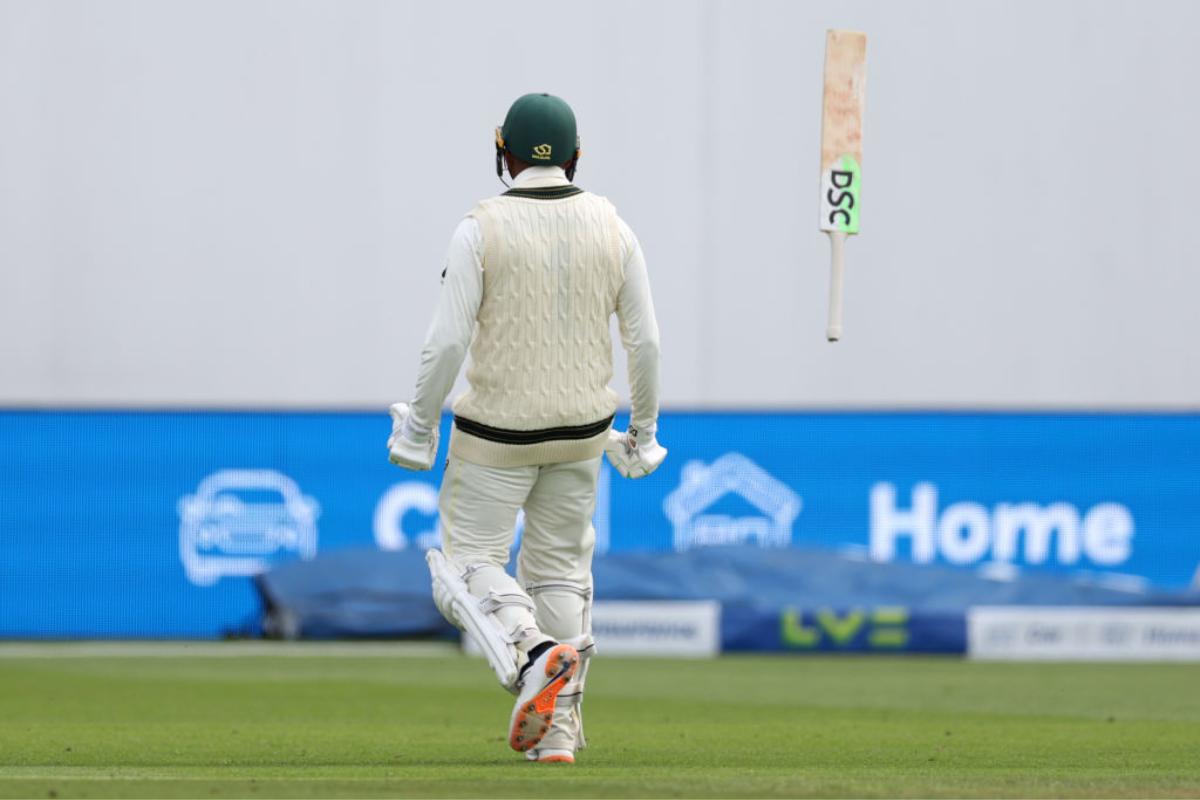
(541, 151)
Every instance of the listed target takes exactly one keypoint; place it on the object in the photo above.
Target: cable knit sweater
(541, 358)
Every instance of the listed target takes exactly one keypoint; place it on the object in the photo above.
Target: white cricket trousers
(478, 507)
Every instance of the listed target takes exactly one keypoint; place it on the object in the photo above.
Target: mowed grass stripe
(736, 726)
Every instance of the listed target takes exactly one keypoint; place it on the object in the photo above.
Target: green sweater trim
(545, 192)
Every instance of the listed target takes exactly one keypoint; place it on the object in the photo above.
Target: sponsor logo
(884, 628)
(731, 474)
(840, 186)
(541, 152)
(240, 521)
(971, 533)
(1083, 633)
(842, 203)
(398, 502)
(657, 627)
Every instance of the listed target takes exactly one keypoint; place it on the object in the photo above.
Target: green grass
(269, 726)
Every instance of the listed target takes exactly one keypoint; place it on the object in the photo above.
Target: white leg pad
(571, 696)
(564, 610)
(477, 616)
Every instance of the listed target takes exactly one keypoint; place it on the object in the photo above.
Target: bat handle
(837, 241)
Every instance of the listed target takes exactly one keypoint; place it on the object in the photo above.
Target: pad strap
(495, 601)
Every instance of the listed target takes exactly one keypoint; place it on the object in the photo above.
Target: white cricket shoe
(546, 755)
(543, 679)
(560, 742)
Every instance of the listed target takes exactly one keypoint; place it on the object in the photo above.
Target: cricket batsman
(531, 280)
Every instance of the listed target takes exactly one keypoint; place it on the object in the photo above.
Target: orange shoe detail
(559, 759)
(533, 719)
(545, 701)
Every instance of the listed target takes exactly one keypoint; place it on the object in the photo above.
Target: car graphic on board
(240, 521)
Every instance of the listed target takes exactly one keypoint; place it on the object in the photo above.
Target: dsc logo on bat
(840, 191)
(843, 203)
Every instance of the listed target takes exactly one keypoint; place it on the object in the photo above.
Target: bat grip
(837, 241)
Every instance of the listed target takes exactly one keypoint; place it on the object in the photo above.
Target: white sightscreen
(247, 202)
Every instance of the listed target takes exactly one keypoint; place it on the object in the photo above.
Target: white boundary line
(173, 649)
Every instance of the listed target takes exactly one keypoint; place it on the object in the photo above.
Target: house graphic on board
(731, 474)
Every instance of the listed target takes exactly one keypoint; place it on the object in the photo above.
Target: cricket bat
(841, 154)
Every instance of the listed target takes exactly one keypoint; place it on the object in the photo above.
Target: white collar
(533, 177)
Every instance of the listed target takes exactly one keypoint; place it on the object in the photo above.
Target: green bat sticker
(840, 194)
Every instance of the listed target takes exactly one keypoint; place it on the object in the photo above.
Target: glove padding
(406, 448)
(633, 454)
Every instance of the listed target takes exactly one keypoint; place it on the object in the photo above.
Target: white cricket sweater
(541, 358)
(531, 282)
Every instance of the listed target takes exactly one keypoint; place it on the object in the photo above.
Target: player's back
(552, 271)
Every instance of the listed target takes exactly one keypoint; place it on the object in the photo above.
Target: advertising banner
(149, 524)
(879, 629)
(690, 629)
(652, 628)
(1084, 634)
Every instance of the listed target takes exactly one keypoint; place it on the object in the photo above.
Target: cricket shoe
(543, 679)
(546, 755)
(559, 743)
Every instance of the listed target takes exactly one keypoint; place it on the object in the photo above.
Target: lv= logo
(879, 628)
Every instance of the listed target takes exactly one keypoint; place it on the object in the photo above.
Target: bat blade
(841, 130)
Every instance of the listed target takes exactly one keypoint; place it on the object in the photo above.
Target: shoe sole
(555, 760)
(534, 717)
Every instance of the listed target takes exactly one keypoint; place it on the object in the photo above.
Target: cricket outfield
(388, 721)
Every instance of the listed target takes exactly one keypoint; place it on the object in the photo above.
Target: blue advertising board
(879, 629)
(149, 524)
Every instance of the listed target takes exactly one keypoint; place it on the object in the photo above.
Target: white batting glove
(406, 447)
(634, 454)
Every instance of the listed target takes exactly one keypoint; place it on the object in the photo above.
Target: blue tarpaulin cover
(764, 594)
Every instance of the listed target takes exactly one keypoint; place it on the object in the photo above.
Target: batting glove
(406, 447)
(634, 454)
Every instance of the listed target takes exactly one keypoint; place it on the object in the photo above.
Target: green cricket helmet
(540, 130)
